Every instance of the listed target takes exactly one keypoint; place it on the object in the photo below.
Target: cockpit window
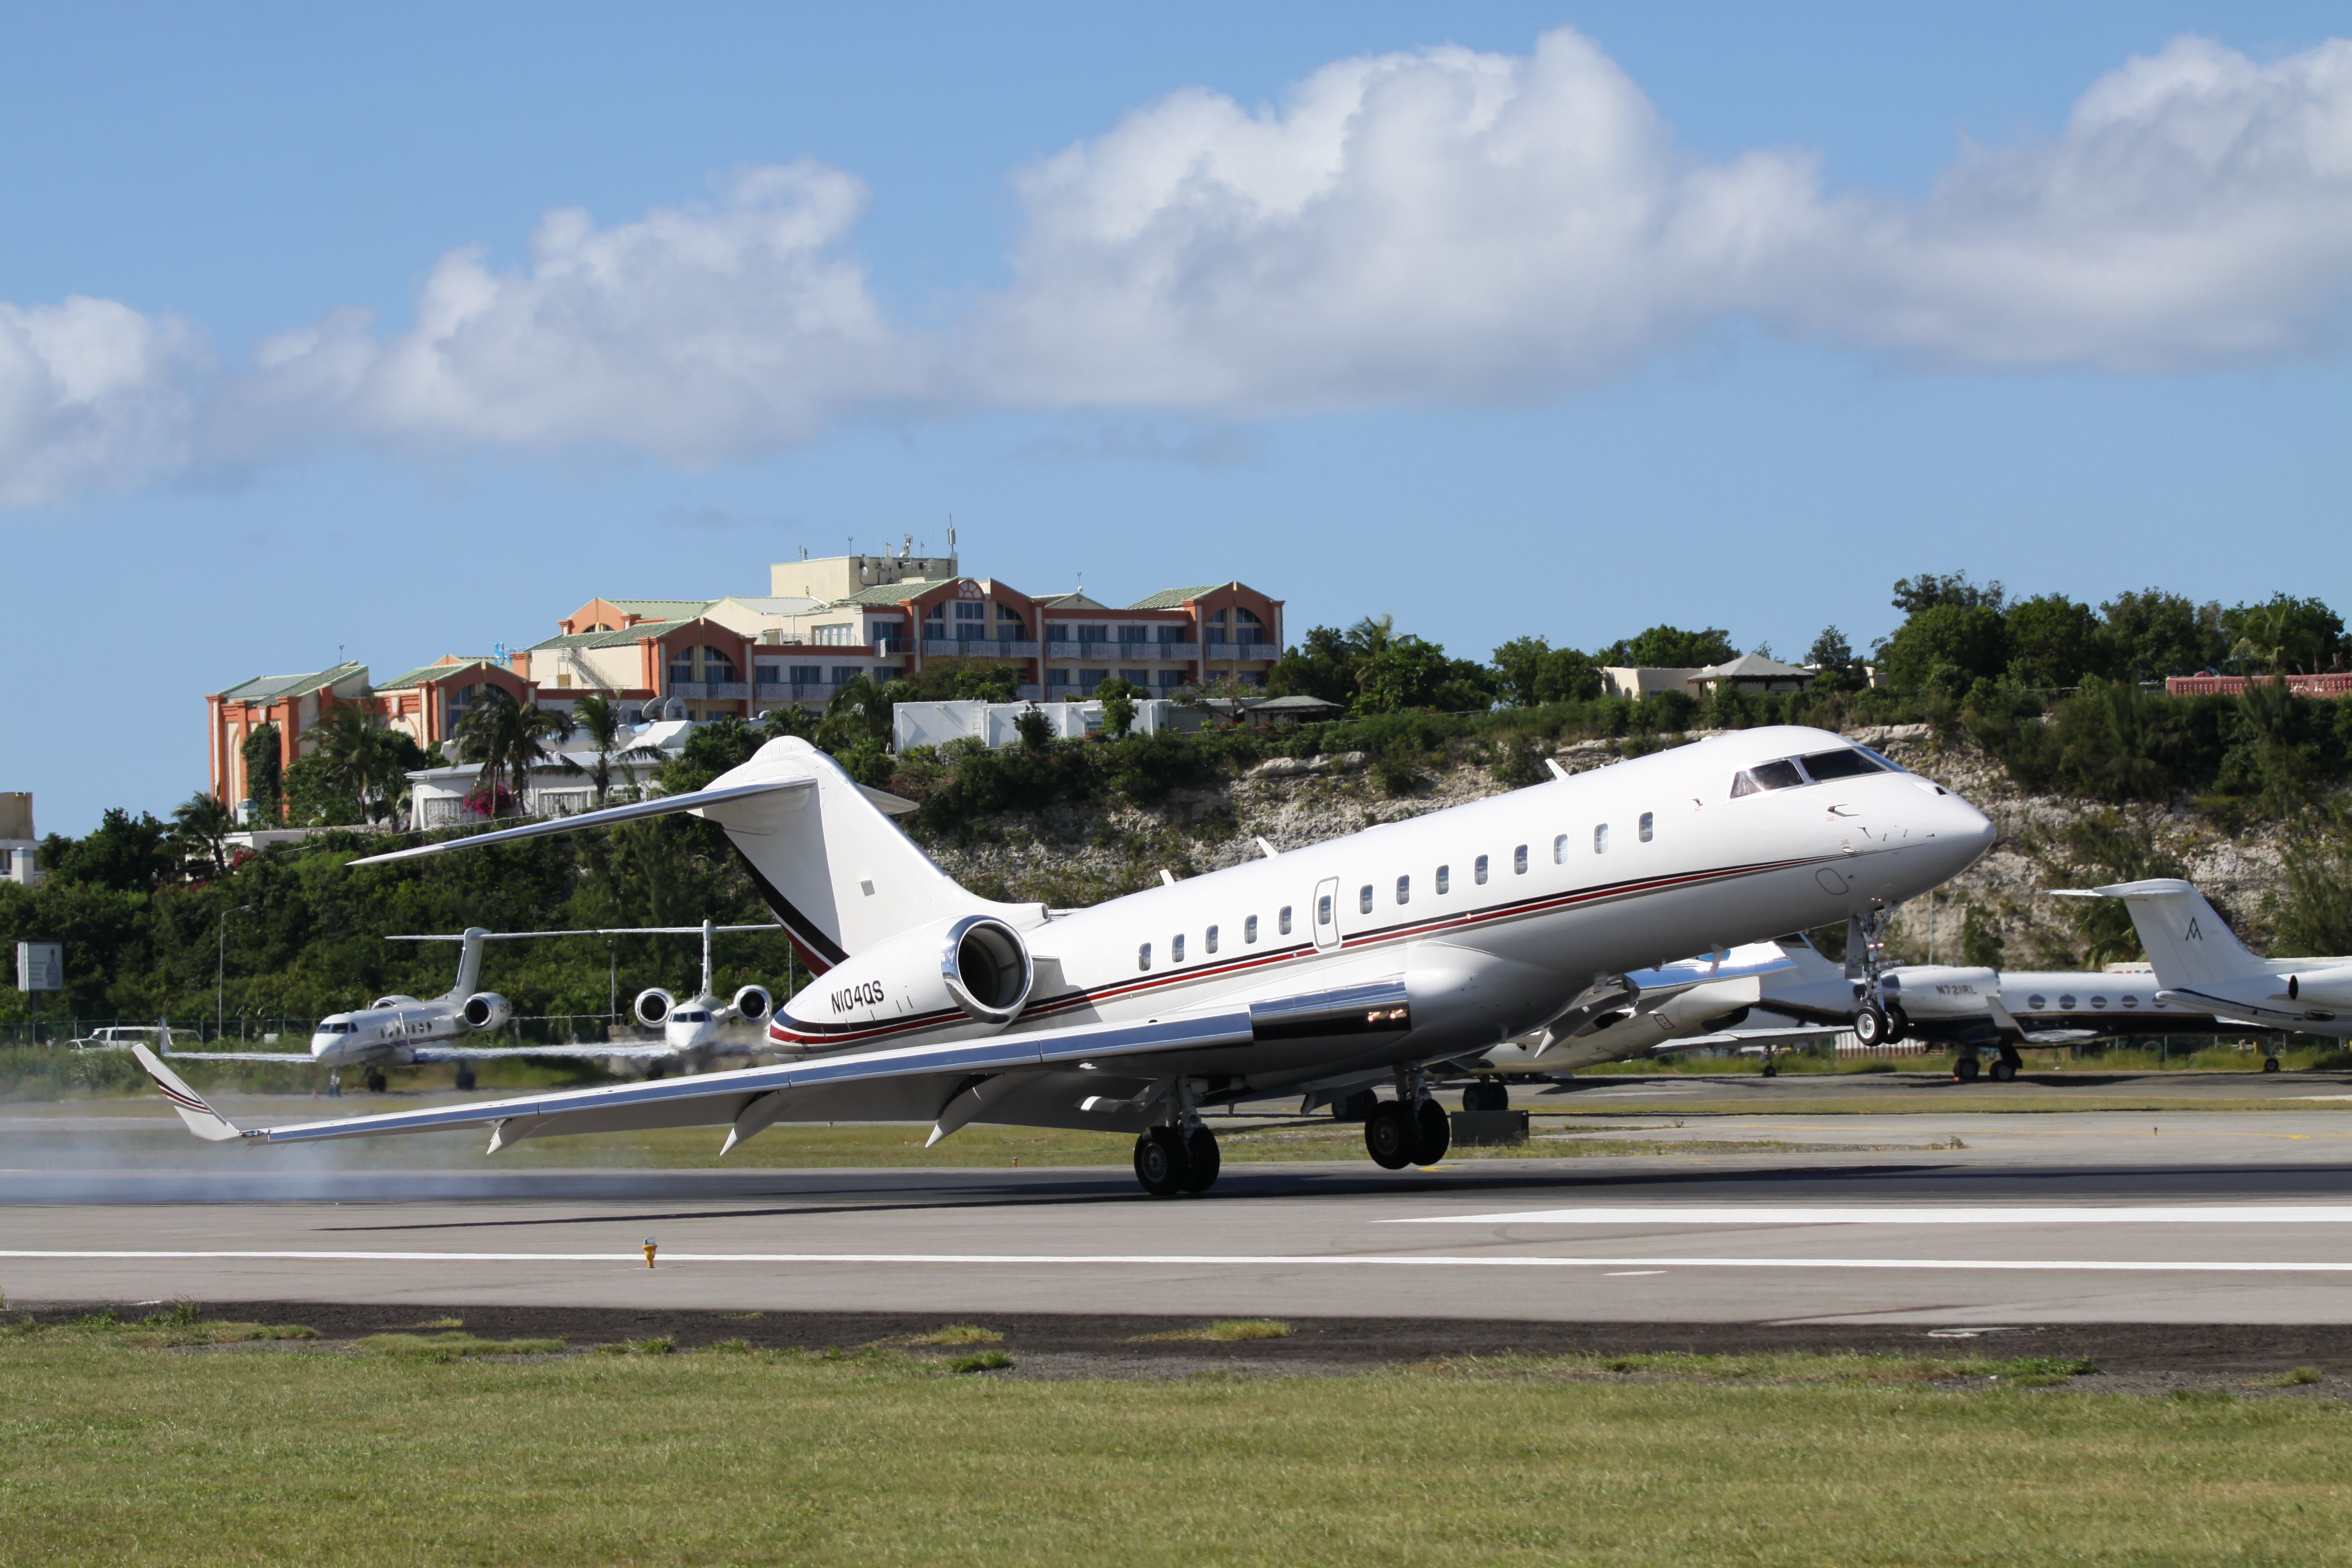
(1844, 763)
(1766, 775)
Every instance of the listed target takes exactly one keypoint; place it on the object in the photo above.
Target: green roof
(422, 673)
(1174, 598)
(621, 639)
(663, 609)
(262, 688)
(888, 592)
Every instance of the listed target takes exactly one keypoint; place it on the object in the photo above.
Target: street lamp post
(220, 969)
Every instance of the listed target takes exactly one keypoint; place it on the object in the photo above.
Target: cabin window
(2098, 1001)
(1249, 926)
(2131, 1001)
(1478, 869)
(1649, 825)
(1208, 939)
(1601, 839)
(2066, 1003)
(1405, 889)
(1283, 920)
(1176, 947)
(1559, 850)
(1444, 879)
(1323, 909)
(1519, 860)
(1364, 899)
(2037, 1003)
(1143, 956)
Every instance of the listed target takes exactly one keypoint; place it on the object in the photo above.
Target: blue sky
(1097, 285)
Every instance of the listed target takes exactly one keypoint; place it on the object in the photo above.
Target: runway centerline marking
(634, 1259)
(1938, 1214)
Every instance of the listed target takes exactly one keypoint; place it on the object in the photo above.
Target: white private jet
(1368, 956)
(401, 1031)
(703, 1025)
(2198, 963)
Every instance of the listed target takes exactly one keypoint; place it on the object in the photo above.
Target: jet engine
(975, 965)
(653, 1005)
(754, 1004)
(487, 1010)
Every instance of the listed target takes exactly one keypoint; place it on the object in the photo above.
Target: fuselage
(387, 1031)
(1495, 913)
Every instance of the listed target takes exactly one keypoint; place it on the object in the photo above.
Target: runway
(2075, 1218)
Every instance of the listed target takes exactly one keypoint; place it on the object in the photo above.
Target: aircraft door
(1325, 912)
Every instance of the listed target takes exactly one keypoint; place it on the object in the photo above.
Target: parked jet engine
(976, 965)
(487, 1010)
(754, 1004)
(653, 1005)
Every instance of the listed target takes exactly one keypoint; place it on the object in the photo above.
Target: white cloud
(93, 395)
(1434, 227)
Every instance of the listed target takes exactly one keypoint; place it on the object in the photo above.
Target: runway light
(650, 1245)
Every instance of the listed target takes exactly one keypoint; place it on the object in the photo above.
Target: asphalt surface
(1952, 1217)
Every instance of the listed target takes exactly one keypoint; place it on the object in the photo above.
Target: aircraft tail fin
(469, 963)
(2189, 945)
(201, 1118)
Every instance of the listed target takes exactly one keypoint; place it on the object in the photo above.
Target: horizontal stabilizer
(663, 805)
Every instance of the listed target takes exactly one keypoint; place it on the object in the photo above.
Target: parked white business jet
(703, 1025)
(1374, 954)
(2199, 963)
(401, 1031)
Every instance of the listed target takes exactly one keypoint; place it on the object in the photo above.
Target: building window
(1057, 631)
(1519, 860)
(1057, 677)
(1176, 947)
(1444, 879)
(1168, 634)
(1478, 870)
(1248, 627)
(1405, 889)
(768, 674)
(1168, 679)
(1364, 899)
(1130, 633)
(1216, 633)
(808, 675)
(1208, 939)
(971, 610)
(1094, 632)
(1249, 926)
(840, 633)
(1559, 850)
(1601, 839)
(1010, 627)
(1143, 956)
(1091, 678)
(843, 673)
(1136, 677)
(888, 636)
(1648, 825)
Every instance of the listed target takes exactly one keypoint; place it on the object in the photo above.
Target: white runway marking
(1938, 1214)
(634, 1259)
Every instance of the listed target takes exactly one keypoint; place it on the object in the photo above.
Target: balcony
(709, 690)
(992, 647)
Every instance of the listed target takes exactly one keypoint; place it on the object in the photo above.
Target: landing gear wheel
(1872, 1027)
(1201, 1161)
(1486, 1095)
(1436, 1132)
(1965, 1070)
(1390, 1135)
(2005, 1071)
(1770, 1070)
(1159, 1162)
(2270, 1063)
(377, 1082)
(465, 1074)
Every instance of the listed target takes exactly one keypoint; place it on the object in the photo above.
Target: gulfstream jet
(1376, 956)
(2201, 964)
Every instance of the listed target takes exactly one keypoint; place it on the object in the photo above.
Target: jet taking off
(1364, 959)
(2200, 964)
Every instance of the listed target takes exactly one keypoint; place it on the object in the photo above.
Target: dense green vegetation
(2043, 684)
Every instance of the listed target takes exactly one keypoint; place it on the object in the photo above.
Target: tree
(1946, 647)
(1833, 656)
(1118, 700)
(2152, 634)
(1671, 648)
(2053, 641)
(2283, 633)
(200, 827)
(1322, 665)
(599, 718)
(508, 739)
(791, 718)
(124, 854)
(1037, 730)
(988, 683)
(1529, 671)
(1931, 590)
(359, 770)
(1410, 672)
(264, 772)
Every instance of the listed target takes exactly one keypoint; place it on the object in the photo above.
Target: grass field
(168, 1446)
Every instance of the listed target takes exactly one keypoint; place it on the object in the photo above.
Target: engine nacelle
(1924, 991)
(754, 1004)
(654, 1006)
(487, 1010)
(976, 965)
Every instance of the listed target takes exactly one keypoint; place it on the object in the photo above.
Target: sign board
(40, 966)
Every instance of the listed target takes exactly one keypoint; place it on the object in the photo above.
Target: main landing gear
(1171, 1159)
(1486, 1094)
(2006, 1065)
(465, 1074)
(376, 1082)
(1414, 1132)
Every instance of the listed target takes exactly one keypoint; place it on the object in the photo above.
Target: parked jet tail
(2189, 945)
(827, 860)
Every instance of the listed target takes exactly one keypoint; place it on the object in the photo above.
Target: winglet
(201, 1118)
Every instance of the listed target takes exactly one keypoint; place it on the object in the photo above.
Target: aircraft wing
(293, 1058)
(756, 1095)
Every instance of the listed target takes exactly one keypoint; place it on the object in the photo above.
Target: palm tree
(201, 823)
(600, 718)
(509, 740)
